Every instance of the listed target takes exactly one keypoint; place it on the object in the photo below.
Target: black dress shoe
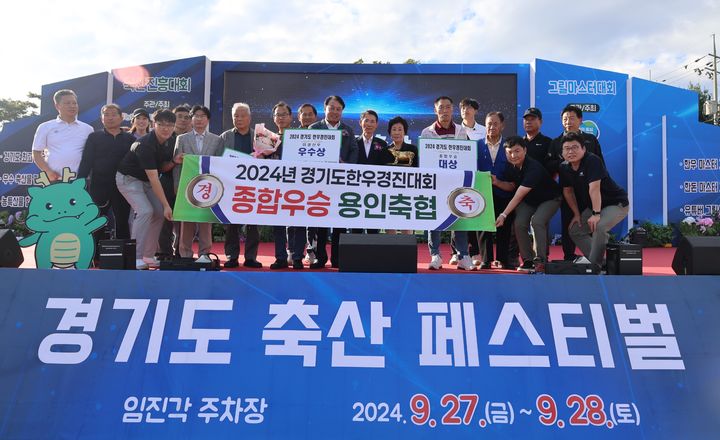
(231, 263)
(253, 264)
(318, 265)
(280, 263)
(297, 264)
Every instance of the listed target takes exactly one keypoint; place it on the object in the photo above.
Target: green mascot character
(63, 217)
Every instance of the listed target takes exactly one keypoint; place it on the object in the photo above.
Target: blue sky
(63, 40)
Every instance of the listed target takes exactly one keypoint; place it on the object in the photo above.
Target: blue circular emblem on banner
(590, 127)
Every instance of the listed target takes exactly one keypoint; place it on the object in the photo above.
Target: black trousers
(232, 242)
(568, 245)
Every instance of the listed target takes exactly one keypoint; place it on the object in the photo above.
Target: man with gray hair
(59, 143)
(240, 138)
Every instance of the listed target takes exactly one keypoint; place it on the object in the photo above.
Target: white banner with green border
(279, 192)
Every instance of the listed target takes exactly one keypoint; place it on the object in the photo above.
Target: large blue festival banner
(602, 97)
(162, 85)
(650, 102)
(113, 354)
(693, 169)
(17, 169)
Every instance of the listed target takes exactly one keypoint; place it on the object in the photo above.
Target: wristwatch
(596, 213)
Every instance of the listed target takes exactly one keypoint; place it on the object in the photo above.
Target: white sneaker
(466, 263)
(453, 260)
(435, 263)
(309, 258)
(581, 260)
(203, 259)
(140, 264)
(152, 263)
(476, 260)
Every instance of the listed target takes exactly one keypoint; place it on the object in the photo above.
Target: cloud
(70, 40)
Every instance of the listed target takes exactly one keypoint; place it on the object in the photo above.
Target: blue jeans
(461, 242)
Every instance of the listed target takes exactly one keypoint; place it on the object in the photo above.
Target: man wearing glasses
(596, 201)
(572, 118)
(137, 180)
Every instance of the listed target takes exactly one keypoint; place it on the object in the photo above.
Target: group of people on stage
(137, 171)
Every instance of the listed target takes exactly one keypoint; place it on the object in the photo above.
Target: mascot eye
(73, 202)
(48, 206)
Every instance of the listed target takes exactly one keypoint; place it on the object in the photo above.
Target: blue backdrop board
(91, 91)
(407, 90)
(693, 155)
(650, 102)
(160, 85)
(112, 354)
(603, 97)
(17, 168)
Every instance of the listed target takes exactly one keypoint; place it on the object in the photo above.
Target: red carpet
(656, 261)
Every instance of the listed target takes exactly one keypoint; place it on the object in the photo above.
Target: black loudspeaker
(624, 259)
(117, 254)
(562, 267)
(378, 253)
(697, 256)
(10, 252)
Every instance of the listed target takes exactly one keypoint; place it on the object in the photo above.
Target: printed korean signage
(693, 170)
(451, 154)
(246, 356)
(272, 192)
(305, 145)
(160, 85)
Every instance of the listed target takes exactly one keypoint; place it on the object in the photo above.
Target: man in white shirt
(59, 143)
(468, 109)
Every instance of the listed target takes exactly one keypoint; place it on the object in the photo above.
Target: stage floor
(656, 261)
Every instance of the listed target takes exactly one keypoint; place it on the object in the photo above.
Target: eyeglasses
(281, 115)
(572, 148)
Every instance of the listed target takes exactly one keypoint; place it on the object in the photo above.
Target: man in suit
(240, 138)
(349, 151)
(572, 118)
(201, 142)
(371, 149)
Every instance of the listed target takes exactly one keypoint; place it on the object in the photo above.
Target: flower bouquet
(700, 226)
(266, 142)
